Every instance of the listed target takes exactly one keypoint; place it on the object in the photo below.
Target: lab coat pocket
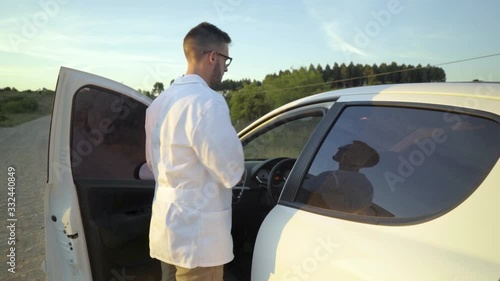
(215, 237)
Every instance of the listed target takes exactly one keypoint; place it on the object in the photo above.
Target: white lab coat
(196, 157)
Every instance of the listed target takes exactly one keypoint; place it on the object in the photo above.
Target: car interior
(115, 191)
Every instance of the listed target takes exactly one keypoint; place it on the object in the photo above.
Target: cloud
(334, 31)
(336, 42)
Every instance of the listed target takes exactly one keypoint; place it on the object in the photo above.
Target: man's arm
(217, 145)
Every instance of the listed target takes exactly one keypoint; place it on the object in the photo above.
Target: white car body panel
(297, 245)
(65, 244)
(294, 244)
(315, 247)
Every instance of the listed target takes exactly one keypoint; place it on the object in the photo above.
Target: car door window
(381, 161)
(284, 137)
(107, 135)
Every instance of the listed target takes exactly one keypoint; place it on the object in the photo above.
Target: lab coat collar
(190, 79)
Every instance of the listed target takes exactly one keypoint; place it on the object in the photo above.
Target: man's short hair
(203, 37)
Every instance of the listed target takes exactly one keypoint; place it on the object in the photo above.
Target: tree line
(249, 99)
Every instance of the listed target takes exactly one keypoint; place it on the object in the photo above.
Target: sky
(139, 43)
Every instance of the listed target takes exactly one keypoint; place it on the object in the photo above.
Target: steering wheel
(278, 177)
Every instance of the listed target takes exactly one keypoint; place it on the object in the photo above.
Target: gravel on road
(25, 148)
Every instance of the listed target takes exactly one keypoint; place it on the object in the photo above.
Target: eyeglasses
(228, 60)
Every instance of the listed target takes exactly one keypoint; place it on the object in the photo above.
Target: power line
(469, 59)
(380, 74)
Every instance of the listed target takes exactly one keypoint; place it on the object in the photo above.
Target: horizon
(141, 45)
(413, 68)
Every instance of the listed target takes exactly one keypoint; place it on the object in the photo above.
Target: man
(346, 189)
(196, 157)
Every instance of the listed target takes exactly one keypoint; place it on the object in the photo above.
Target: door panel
(116, 219)
(97, 211)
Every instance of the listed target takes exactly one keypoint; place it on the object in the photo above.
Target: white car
(388, 182)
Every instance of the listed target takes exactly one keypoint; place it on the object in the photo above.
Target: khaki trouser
(177, 273)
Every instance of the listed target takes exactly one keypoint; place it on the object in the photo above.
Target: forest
(250, 99)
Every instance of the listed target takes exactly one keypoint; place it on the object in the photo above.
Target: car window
(107, 135)
(400, 162)
(284, 137)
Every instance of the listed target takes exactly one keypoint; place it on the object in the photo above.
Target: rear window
(400, 162)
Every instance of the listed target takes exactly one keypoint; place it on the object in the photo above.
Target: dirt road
(25, 148)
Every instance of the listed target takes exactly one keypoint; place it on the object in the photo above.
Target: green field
(20, 107)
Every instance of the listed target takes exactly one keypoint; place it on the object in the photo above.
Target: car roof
(486, 90)
(472, 89)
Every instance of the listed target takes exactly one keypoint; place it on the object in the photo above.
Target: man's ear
(213, 57)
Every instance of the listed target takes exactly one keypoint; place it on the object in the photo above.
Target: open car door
(97, 210)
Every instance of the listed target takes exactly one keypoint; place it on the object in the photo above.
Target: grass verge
(43, 98)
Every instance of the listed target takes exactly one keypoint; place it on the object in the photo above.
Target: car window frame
(307, 156)
(278, 120)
